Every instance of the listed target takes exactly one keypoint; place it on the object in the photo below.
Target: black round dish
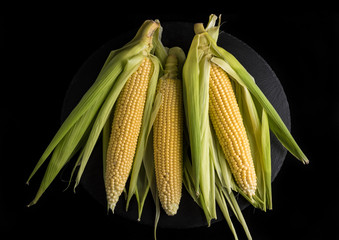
(174, 34)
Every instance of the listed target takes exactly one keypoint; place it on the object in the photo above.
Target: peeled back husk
(83, 125)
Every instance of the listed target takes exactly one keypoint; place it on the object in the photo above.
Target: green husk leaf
(253, 129)
(104, 81)
(64, 151)
(188, 178)
(266, 145)
(222, 195)
(207, 176)
(148, 162)
(190, 185)
(191, 94)
(223, 207)
(213, 30)
(196, 97)
(237, 211)
(142, 190)
(222, 169)
(159, 49)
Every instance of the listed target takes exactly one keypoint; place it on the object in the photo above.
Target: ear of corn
(196, 71)
(168, 137)
(125, 131)
(94, 108)
(244, 143)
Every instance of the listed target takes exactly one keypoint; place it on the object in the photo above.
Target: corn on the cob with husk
(127, 120)
(237, 139)
(168, 136)
(122, 75)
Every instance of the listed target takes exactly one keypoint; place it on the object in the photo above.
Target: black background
(43, 49)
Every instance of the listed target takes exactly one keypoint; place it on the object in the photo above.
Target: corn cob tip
(250, 192)
(172, 209)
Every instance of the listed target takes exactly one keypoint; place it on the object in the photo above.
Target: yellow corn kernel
(126, 126)
(168, 144)
(229, 127)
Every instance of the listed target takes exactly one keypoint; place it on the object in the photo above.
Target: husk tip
(199, 28)
(31, 203)
(305, 161)
(152, 26)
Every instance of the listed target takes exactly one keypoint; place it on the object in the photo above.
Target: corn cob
(168, 138)
(228, 124)
(125, 131)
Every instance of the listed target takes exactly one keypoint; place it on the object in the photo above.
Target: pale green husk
(81, 129)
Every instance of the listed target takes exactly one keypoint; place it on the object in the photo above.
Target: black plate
(175, 34)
